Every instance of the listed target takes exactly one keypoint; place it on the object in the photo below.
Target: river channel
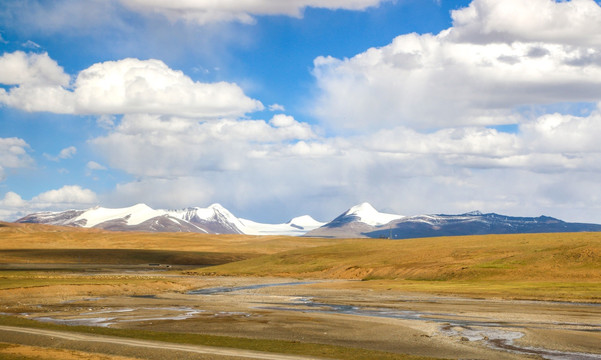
(496, 335)
(464, 326)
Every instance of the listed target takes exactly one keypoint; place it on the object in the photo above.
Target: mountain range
(359, 221)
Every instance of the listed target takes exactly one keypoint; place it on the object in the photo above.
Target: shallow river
(495, 334)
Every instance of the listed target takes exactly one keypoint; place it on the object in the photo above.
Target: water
(106, 318)
(493, 333)
(220, 290)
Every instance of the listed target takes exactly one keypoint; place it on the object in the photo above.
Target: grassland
(55, 270)
(36, 236)
(528, 266)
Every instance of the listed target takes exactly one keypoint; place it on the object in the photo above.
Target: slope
(564, 265)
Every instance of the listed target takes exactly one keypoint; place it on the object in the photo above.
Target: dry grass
(25, 352)
(548, 257)
(549, 266)
(36, 236)
(564, 266)
(267, 345)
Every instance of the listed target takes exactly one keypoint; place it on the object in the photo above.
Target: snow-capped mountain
(139, 217)
(355, 222)
(476, 223)
(366, 214)
(472, 223)
(359, 221)
(214, 219)
(298, 226)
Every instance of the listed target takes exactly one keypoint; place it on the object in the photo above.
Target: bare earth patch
(41, 353)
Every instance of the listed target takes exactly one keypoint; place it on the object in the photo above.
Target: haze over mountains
(359, 221)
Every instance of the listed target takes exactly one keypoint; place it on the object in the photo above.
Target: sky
(276, 109)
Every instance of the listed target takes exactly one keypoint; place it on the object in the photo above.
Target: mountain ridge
(359, 221)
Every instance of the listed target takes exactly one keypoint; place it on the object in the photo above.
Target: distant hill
(214, 219)
(363, 221)
(474, 223)
(360, 221)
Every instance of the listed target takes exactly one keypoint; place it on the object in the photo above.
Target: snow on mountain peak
(133, 215)
(369, 215)
(363, 208)
(305, 221)
(217, 206)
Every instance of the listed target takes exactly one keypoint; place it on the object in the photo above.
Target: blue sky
(278, 109)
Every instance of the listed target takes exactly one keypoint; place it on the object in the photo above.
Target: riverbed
(337, 312)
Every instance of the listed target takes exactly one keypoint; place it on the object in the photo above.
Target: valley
(200, 296)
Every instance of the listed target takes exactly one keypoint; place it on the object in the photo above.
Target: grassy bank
(533, 266)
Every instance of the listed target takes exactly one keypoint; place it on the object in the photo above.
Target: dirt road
(146, 344)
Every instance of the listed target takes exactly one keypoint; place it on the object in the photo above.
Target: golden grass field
(529, 266)
(561, 266)
(55, 271)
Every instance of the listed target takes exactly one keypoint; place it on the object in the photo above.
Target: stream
(493, 333)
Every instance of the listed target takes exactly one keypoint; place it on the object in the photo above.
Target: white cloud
(51, 16)
(13, 154)
(12, 200)
(564, 133)
(30, 45)
(127, 86)
(65, 153)
(13, 206)
(170, 147)
(497, 57)
(207, 11)
(20, 68)
(135, 86)
(276, 107)
(93, 165)
(245, 163)
(67, 195)
(575, 22)
(106, 121)
(431, 81)
(419, 111)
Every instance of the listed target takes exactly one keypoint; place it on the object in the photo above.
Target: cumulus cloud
(13, 154)
(13, 206)
(12, 200)
(207, 11)
(281, 162)
(21, 68)
(135, 86)
(497, 57)
(67, 195)
(575, 22)
(152, 145)
(408, 122)
(126, 86)
(431, 81)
